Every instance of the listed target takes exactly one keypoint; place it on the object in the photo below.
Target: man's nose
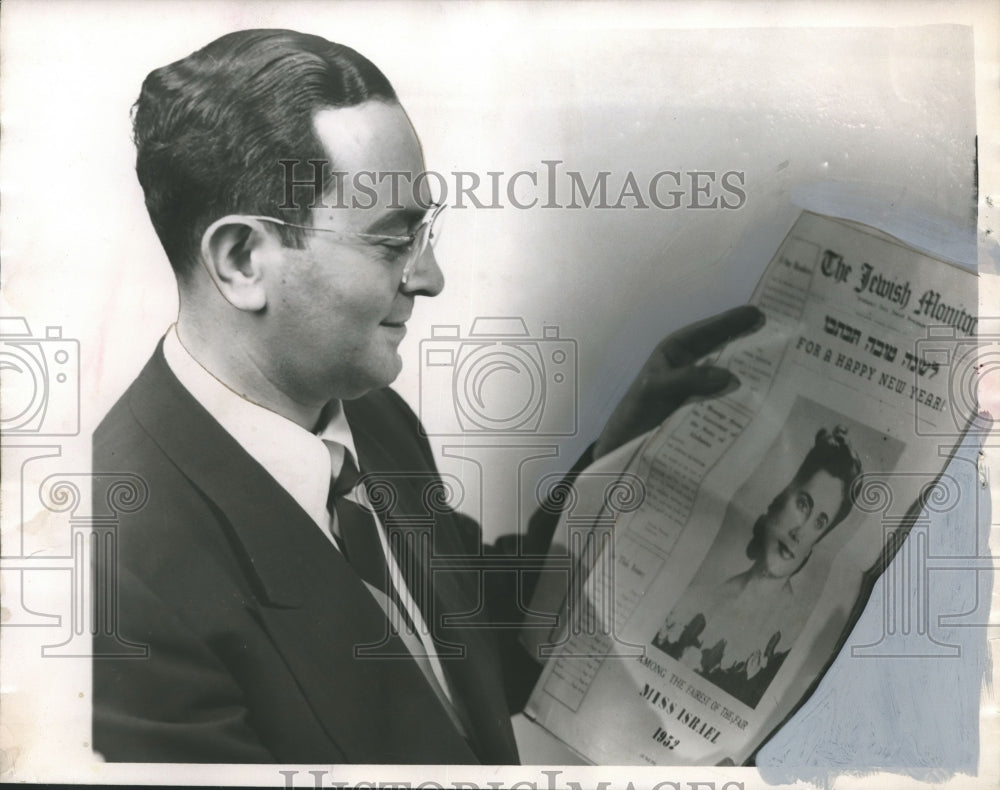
(426, 278)
(793, 533)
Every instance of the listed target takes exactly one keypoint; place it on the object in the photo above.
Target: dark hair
(830, 453)
(211, 128)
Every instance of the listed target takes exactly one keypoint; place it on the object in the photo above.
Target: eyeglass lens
(427, 235)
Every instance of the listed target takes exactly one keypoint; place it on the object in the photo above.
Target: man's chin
(364, 381)
(390, 370)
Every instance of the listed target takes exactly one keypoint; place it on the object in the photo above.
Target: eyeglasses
(425, 235)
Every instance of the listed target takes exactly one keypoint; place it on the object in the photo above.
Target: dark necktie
(359, 536)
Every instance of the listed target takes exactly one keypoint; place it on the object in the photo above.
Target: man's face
(338, 307)
(801, 516)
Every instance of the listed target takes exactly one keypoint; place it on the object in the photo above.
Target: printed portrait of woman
(736, 631)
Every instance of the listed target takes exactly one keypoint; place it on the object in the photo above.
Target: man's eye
(393, 250)
(397, 243)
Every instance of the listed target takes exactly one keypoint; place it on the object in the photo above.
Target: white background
(886, 115)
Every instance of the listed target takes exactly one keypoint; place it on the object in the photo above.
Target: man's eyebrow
(395, 220)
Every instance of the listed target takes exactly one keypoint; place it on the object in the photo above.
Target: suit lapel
(313, 604)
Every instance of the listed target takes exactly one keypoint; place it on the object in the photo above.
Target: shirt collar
(297, 459)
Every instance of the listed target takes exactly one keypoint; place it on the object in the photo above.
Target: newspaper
(721, 566)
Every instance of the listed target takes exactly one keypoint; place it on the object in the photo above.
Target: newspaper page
(723, 565)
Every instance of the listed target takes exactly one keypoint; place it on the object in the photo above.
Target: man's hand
(670, 376)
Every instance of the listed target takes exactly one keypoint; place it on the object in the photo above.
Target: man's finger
(701, 381)
(647, 408)
(695, 340)
(690, 382)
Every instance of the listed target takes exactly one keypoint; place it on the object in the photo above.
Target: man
(249, 572)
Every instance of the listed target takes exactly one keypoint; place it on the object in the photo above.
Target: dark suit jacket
(252, 618)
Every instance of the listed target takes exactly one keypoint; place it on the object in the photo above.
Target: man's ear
(235, 251)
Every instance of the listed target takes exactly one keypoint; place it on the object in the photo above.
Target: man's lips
(397, 323)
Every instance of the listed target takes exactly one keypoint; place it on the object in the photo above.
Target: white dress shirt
(301, 463)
